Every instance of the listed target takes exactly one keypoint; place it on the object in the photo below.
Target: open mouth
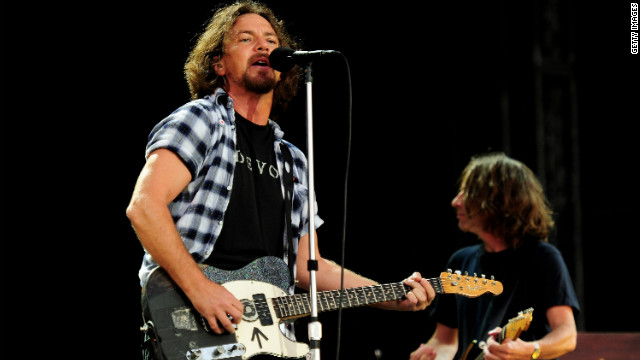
(261, 61)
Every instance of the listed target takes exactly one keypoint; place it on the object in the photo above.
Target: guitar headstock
(467, 285)
(518, 324)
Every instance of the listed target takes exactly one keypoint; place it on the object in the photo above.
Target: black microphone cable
(344, 210)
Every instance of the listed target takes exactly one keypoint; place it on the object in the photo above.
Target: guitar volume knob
(193, 354)
(219, 350)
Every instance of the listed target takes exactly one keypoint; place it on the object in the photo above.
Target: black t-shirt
(254, 220)
(533, 276)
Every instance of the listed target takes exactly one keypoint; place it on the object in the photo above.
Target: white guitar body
(258, 338)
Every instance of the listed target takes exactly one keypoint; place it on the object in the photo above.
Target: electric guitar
(179, 332)
(511, 330)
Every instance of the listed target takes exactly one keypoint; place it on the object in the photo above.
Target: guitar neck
(512, 329)
(500, 338)
(298, 305)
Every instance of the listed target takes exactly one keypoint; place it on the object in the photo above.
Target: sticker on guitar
(181, 333)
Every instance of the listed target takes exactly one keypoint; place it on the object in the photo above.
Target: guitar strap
(287, 178)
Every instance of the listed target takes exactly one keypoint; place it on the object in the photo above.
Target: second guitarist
(501, 202)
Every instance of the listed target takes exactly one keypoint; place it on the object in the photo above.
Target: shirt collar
(221, 97)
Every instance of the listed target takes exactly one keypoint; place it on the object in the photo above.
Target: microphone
(283, 58)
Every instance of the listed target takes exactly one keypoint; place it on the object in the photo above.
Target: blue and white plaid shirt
(203, 134)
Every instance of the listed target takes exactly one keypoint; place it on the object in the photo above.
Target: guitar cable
(344, 210)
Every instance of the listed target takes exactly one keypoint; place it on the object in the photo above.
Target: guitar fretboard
(298, 305)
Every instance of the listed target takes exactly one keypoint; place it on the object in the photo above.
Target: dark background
(551, 83)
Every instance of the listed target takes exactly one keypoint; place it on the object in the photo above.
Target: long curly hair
(198, 69)
(509, 198)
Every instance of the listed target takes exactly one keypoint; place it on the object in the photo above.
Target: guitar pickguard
(260, 330)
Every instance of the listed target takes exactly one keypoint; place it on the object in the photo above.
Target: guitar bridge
(216, 352)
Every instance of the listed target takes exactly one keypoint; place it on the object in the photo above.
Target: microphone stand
(314, 327)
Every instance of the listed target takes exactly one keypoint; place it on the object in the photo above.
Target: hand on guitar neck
(511, 331)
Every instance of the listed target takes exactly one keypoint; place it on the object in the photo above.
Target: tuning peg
(459, 273)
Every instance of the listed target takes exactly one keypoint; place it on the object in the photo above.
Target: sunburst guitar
(511, 330)
(178, 332)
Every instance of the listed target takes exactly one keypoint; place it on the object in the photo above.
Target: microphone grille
(281, 59)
